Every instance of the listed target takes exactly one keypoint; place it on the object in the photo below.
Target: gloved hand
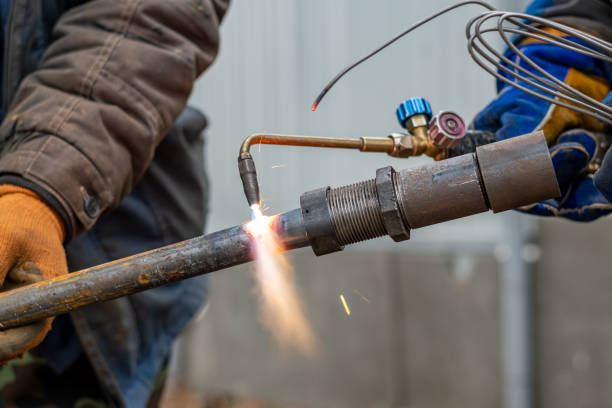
(581, 199)
(603, 177)
(31, 250)
(514, 113)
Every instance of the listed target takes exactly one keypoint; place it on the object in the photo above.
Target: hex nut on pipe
(389, 207)
(317, 222)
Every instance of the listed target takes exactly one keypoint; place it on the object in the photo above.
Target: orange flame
(260, 225)
(281, 309)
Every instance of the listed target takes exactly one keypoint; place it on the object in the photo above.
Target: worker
(97, 162)
(575, 138)
(88, 93)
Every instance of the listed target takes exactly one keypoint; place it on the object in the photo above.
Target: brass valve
(428, 136)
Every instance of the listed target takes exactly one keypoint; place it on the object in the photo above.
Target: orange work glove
(31, 250)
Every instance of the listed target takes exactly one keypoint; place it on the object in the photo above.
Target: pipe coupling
(499, 176)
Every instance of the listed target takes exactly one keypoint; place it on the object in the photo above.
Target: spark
(346, 308)
(278, 166)
(281, 309)
(365, 299)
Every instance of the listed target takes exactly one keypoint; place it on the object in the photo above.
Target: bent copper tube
(246, 165)
(369, 144)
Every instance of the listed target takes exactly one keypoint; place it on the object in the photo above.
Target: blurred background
(489, 311)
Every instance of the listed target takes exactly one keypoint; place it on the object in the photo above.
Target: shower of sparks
(365, 299)
(281, 309)
(346, 308)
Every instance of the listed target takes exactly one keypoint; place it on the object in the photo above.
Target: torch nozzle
(248, 175)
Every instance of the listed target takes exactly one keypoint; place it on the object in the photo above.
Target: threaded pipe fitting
(355, 212)
(501, 175)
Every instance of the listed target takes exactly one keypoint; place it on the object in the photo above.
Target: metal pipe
(498, 176)
(159, 267)
(329, 218)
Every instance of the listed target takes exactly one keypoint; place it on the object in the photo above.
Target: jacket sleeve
(591, 16)
(84, 126)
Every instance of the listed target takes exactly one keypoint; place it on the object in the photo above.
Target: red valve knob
(446, 129)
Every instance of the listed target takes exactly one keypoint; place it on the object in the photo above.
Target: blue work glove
(581, 198)
(573, 136)
(603, 177)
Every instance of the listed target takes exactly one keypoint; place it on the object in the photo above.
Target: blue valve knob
(411, 107)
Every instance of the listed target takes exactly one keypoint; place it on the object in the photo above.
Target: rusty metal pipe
(159, 267)
(499, 176)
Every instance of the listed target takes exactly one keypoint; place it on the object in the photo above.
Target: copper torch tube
(246, 165)
(371, 144)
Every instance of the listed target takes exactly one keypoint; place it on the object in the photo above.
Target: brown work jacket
(82, 127)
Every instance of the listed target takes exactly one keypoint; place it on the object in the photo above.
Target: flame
(260, 225)
(281, 309)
